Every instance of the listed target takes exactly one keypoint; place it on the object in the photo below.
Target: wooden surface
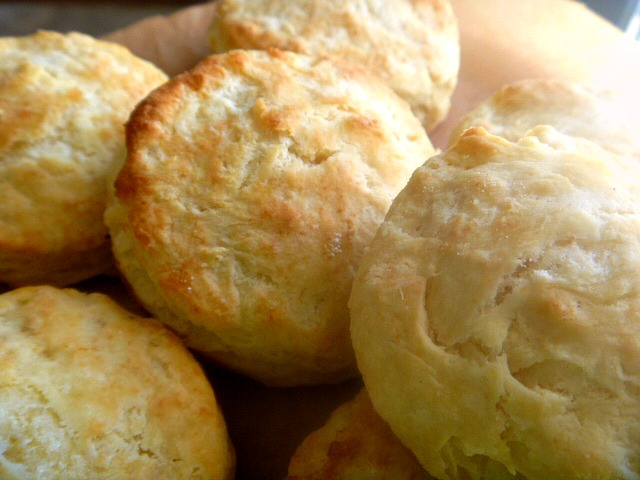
(501, 41)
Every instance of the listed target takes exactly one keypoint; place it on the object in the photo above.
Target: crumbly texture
(89, 390)
(412, 45)
(64, 99)
(355, 444)
(252, 185)
(496, 315)
(571, 108)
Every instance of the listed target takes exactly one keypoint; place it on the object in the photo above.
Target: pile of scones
(280, 211)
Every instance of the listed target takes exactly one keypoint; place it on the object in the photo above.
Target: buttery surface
(571, 108)
(355, 444)
(88, 390)
(412, 45)
(496, 316)
(63, 103)
(252, 186)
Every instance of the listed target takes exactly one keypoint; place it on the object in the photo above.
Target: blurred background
(623, 13)
(96, 18)
(101, 17)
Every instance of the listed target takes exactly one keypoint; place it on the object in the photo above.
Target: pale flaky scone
(412, 45)
(354, 444)
(252, 185)
(91, 391)
(64, 99)
(571, 108)
(496, 314)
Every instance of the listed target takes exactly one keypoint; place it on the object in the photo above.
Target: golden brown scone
(569, 107)
(89, 390)
(412, 45)
(355, 444)
(64, 99)
(252, 185)
(496, 315)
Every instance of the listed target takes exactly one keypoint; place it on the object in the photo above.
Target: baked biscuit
(412, 45)
(571, 108)
(252, 185)
(64, 99)
(355, 443)
(89, 390)
(496, 314)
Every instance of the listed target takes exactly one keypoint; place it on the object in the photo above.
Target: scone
(91, 391)
(496, 314)
(412, 45)
(354, 444)
(571, 108)
(64, 99)
(252, 185)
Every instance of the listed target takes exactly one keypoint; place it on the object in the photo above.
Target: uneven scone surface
(64, 99)
(571, 108)
(354, 444)
(252, 186)
(496, 315)
(413, 45)
(88, 390)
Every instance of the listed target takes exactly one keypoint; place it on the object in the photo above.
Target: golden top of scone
(252, 185)
(496, 316)
(64, 99)
(571, 108)
(89, 390)
(412, 45)
(354, 443)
